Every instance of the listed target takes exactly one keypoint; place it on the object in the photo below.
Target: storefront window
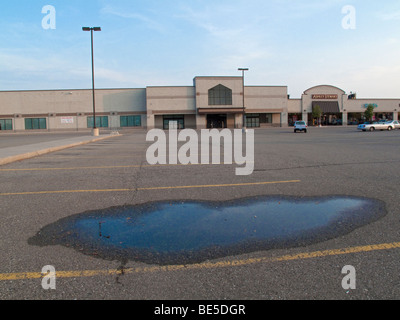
(354, 119)
(252, 120)
(383, 116)
(101, 122)
(5, 124)
(35, 124)
(174, 122)
(220, 95)
(293, 117)
(131, 121)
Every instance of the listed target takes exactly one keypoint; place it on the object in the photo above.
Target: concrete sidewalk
(13, 154)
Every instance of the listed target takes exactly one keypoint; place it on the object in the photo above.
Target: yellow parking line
(222, 185)
(207, 265)
(82, 168)
(63, 191)
(146, 189)
(107, 167)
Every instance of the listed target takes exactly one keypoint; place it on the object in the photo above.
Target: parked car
(377, 126)
(300, 126)
(394, 123)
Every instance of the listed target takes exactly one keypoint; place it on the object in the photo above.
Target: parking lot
(114, 172)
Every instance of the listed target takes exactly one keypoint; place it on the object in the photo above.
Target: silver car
(300, 126)
(394, 123)
(381, 125)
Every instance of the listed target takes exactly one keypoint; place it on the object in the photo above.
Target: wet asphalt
(326, 162)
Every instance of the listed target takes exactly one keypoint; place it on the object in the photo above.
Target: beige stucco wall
(294, 106)
(122, 100)
(384, 105)
(42, 102)
(72, 101)
(168, 100)
(203, 84)
(175, 99)
(77, 105)
(276, 119)
(190, 121)
(262, 97)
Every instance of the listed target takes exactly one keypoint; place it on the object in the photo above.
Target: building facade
(211, 102)
(339, 108)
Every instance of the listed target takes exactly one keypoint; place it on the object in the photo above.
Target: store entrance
(218, 121)
(327, 119)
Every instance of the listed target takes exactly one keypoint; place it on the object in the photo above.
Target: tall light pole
(91, 29)
(244, 107)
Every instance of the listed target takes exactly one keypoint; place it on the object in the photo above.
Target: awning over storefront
(327, 106)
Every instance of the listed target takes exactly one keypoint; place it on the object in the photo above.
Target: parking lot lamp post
(244, 107)
(91, 29)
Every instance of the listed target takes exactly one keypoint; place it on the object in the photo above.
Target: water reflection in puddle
(189, 232)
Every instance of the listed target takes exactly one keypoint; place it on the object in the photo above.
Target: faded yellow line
(92, 157)
(146, 189)
(86, 168)
(108, 167)
(208, 265)
(221, 185)
(71, 168)
(63, 191)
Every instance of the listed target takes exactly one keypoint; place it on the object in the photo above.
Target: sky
(293, 43)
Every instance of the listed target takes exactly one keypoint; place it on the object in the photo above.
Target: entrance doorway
(218, 121)
(327, 119)
(173, 122)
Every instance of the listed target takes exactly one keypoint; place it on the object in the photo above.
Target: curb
(37, 153)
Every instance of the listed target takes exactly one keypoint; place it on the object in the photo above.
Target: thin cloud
(148, 22)
(391, 16)
(235, 40)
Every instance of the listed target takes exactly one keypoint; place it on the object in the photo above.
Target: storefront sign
(324, 96)
(370, 104)
(67, 120)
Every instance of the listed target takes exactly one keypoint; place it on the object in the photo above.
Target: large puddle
(188, 232)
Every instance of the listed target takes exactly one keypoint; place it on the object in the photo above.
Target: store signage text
(324, 96)
(370, 104)
(67, 120)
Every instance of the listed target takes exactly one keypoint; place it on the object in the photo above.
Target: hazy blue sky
(298, 43)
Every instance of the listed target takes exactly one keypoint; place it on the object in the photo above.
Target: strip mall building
(211, 102)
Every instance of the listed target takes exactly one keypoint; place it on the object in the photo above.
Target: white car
(300, 126)
(378, 126)
(394, 123)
